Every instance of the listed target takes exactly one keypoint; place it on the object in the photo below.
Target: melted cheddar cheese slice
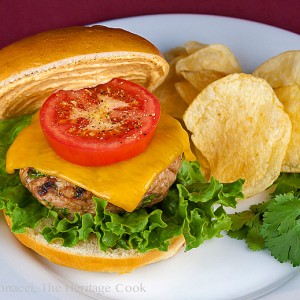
(122, 184)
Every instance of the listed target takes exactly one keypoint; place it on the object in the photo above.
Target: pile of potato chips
(242, 125)
(193, 67)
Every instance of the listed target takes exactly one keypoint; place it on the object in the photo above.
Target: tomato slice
(101, 125)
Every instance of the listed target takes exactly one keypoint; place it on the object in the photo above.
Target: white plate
(219, 269)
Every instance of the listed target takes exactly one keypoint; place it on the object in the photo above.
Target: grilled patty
(56, 193)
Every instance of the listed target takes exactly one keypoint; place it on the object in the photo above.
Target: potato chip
(215, 57)
(183, 51)
(171, 102)
(281, 70)
(290, 97)
(192, 46)
(201, 79)
(204, 165)
(240, 127)
(186, 91)
(175, 53)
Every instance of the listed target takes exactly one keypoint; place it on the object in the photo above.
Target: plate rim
(200, 15)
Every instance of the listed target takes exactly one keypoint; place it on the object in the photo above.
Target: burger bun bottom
(87, 255)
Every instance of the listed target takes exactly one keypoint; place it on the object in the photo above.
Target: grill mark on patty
(54, 192)
(44, 188)
(79, 192)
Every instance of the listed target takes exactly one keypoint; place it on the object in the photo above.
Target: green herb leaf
(247, 224)
(254, 239)
(287, 182)
(281, 228)
(274, 224)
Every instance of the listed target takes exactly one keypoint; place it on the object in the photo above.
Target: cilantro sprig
(273, 225)
(281, 228)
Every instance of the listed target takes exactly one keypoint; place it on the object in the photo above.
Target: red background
(19, 18)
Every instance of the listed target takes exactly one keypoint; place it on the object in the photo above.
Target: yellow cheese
(123, 183)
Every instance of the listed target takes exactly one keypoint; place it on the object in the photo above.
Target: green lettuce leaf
(193, 207)
(9, 129)
(21, 206)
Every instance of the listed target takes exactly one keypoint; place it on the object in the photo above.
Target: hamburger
(93, 175)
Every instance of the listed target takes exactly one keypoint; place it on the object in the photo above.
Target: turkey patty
(57, 193)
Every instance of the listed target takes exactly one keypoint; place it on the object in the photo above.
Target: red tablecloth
(20, 18)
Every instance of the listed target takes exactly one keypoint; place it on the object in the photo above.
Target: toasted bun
(87, 255)
(73, 58)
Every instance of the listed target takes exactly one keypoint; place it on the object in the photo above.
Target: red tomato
(101, 125)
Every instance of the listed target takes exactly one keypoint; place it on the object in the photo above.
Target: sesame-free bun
(87, 255)
(73, 58)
